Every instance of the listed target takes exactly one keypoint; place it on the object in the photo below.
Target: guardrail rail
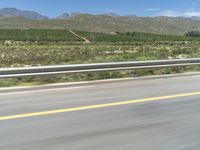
(95, 67)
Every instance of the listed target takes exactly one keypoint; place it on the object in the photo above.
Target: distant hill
(63, 16)
(13, 12)
(195, 18)
(108, 22)
(111, 14)
(68, 15)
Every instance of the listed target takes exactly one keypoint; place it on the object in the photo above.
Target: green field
(138, 37)
(52, 47)
(33, 35)
(44, 35)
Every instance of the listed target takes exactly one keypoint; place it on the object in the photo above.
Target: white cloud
(152, 9)
(171, 13)
(191, 14)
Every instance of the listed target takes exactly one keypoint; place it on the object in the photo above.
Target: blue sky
(53, 8)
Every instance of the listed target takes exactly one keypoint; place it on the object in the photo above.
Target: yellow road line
(73, 109)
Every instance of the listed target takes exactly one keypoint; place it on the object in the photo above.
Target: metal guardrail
(96, 67)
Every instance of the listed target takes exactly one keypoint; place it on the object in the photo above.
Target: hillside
(13, 12)
(105, 23)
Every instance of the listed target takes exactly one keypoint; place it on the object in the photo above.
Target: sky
(53, 8)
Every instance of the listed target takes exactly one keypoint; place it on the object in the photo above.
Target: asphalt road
(153, 114)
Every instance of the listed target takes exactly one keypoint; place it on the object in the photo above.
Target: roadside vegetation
(193, 34)
(51, 47)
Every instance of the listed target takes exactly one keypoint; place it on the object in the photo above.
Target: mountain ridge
(14, 12)
(107, 23)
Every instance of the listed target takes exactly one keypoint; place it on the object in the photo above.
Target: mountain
(195, 18)
(111, 14)
(132, 16)
(100, 23)
(63, 16)
(13, 12)
(68, 15)
(74, 14)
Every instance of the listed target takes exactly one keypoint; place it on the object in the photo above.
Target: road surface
(150, 114)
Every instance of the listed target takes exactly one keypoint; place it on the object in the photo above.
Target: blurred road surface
(157, 124)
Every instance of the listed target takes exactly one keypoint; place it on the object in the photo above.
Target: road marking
(45, 90)
(78, 86)
(105, 105)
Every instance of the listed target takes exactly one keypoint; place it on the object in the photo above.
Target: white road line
(79, 86)
(44, 90)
